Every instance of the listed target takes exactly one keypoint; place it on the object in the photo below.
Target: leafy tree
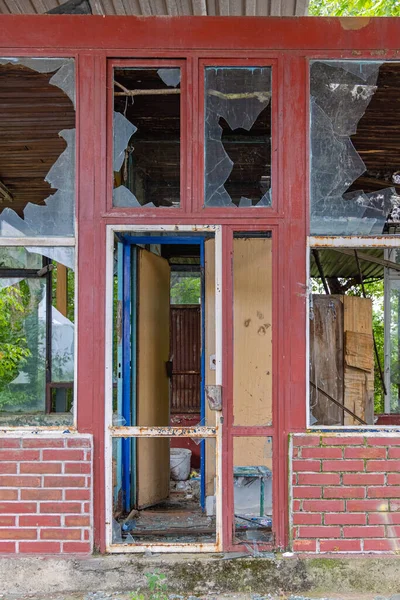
(186, 290)
(354, 8)
(14, 350)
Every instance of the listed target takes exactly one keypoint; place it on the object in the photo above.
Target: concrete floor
(128, 596)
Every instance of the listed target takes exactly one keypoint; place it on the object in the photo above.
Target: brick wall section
(345, 493)
(45, 494)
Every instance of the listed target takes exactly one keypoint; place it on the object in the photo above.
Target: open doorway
(164, 472)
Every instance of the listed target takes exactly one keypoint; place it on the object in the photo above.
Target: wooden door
(152, 400)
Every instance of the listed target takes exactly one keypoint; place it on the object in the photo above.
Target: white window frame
(319, 242)
(201, 432)
(39, 242)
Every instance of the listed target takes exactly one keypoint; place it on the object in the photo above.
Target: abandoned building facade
(199, 284)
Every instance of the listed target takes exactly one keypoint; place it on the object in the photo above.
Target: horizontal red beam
(209, 33)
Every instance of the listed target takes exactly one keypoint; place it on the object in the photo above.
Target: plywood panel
(326, 359)
(152, 381)
(252, 452)
(252, 306)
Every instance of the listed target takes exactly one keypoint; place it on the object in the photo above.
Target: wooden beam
(62, 289)
(5, 193)
(369, 258)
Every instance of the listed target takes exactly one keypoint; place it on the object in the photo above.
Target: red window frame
(199, 175)
(292, 42)
(185, 123)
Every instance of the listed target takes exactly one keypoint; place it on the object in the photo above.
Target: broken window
(238, 136)
(354, 148)
(157, 491)
(36, 335)
(252, 484)
(37, 148)
(147, 130)
(354, 337)
(252, 314)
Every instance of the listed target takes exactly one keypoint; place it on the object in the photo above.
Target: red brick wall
(346, 492)
(45, 494)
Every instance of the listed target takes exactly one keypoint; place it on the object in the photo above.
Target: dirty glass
(354, 190)
(158, 492)
(252, 327)
(353, 337)
(252, 485)
(36, 338)
(237, 136)
(37, 155)
(146, 134)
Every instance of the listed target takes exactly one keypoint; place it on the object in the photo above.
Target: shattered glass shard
(57, 216)
(237, 136)
(123, 131)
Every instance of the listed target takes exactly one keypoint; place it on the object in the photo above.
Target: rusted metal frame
(321, 271)
(342, 406)
(253, 212)
(185, 129)
(369, 258)
(356, 241)
(378, 361)
(180, 432)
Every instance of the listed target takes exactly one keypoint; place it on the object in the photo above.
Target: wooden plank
(62, 289)
(358, 385)
(359, 351)
(252, 315)
(153, 469)
(357, 314)
(326, 359)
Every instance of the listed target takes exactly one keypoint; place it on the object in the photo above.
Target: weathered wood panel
(326, 359)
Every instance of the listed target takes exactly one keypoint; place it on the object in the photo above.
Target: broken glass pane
(146, 137)
(346, 198)
(37, 158)
(36, 346)
(252, 484)
(237, 136)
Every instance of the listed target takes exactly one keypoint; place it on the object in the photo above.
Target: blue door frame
(127, 352)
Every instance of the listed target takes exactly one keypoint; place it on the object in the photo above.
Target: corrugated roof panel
(228, 8)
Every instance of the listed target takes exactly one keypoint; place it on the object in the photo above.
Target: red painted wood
(286, 44)
(211, 33)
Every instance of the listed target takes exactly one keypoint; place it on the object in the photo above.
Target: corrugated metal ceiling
(261, 8)
(335, 264)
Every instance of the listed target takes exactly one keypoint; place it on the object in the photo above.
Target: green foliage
(157, 584)
(186, 290)
(354, 8)
(13, 344)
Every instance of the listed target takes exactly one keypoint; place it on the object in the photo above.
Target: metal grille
(185, 353)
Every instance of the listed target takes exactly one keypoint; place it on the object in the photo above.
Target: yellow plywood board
(252, 307)
(252, 452)
(153, 469)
